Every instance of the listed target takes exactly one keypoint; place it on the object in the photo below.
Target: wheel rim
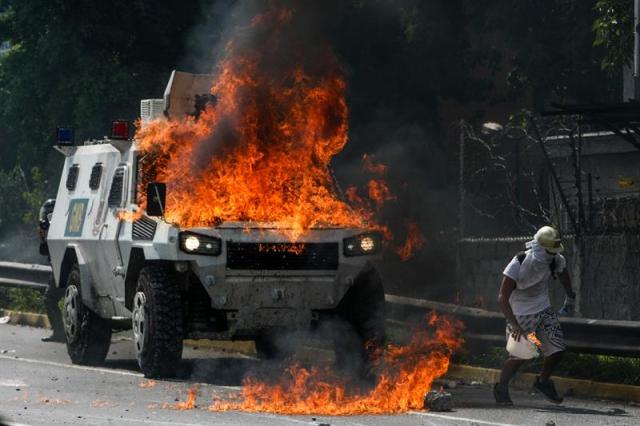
(139, 319)
(70, 312)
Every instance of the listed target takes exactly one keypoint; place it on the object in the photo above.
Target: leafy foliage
(614, 31)
(549, 48)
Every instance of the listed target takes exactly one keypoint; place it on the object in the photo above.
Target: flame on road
(405, 375)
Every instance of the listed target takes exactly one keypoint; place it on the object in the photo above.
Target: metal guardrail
(482, 327)
(23, 275)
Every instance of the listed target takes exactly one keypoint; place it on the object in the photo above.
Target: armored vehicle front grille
(281, 256)
(144, 229)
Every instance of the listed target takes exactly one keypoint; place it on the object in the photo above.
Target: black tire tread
(362, 311)
(92, 345)
(163, 350)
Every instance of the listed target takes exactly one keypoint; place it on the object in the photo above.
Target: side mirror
(156, 198)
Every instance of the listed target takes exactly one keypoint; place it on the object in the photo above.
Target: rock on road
(39, 386)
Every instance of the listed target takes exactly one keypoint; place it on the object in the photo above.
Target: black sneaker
(548, 389)
(501, 394)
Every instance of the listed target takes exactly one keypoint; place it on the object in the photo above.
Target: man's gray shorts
(547, 329)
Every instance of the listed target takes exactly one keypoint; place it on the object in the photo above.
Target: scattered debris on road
(147, 384)
(438, 401)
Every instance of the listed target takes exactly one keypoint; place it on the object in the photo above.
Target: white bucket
(524, 349)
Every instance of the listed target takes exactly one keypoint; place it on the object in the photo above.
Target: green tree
(614, 32)
(82, 63)
(549, 48)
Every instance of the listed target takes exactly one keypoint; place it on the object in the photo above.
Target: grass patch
(601, 368)
(22, 299)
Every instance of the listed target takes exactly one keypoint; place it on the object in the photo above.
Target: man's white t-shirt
(531, 294)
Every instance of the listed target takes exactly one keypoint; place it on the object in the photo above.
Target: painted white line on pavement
(145, 421)
(12, 384)
(463, 419)
(101, 370)
(275, 416)
(77, 367)
(158, 422)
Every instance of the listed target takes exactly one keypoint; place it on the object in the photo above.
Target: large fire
(262, 151)
(405, 374)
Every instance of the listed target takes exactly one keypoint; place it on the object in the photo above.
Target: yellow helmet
(549, 238)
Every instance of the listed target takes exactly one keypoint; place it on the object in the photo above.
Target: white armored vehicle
(126, 268)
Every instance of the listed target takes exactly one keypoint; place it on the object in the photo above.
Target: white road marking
(463, 419)
(145, 421)
(102, 370)
(275, 416)
(12, 384)
(158, 422)
(77, 367)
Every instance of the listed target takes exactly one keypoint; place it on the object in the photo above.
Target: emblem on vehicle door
(75, 220)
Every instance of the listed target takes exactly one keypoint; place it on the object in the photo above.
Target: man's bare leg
(509, 370)
(549, 365)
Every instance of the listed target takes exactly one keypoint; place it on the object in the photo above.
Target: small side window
(72, 177)
(117, 188)
(96, 176)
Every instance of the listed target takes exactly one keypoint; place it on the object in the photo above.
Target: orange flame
(371, 166)
(414, 241)
(129, 216)
(53, 401)
(147, 384)
(263, 152)
(297, 248)
(406, 374)
(534, 339)
(192, 394)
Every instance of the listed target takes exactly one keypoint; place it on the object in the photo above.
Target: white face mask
(539, 253)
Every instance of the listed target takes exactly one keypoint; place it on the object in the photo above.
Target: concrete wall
(610, 279)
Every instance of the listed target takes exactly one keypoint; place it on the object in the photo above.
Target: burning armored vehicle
(124, 264)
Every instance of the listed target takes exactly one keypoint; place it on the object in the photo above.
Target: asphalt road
(39, 386)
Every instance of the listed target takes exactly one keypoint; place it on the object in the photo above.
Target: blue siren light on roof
(65, 135)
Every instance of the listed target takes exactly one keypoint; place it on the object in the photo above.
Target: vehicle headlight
(363, 244)
(193, 243)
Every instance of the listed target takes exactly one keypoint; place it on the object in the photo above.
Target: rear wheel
(269, 348)
(361, 329)
(88, 336)
(157, 322)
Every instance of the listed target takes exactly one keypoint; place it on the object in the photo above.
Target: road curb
(26, 318)
(567, 386)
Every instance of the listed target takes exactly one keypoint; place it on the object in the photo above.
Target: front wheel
(361, 328)
(157, 322)
(88, 335)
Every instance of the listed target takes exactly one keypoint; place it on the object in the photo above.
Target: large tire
(270, 347)
(88, 336)
(266, 348)
(157, 322)
(361, 326)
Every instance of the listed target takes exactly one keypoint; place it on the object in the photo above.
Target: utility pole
(636, 50)
(631, 75)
